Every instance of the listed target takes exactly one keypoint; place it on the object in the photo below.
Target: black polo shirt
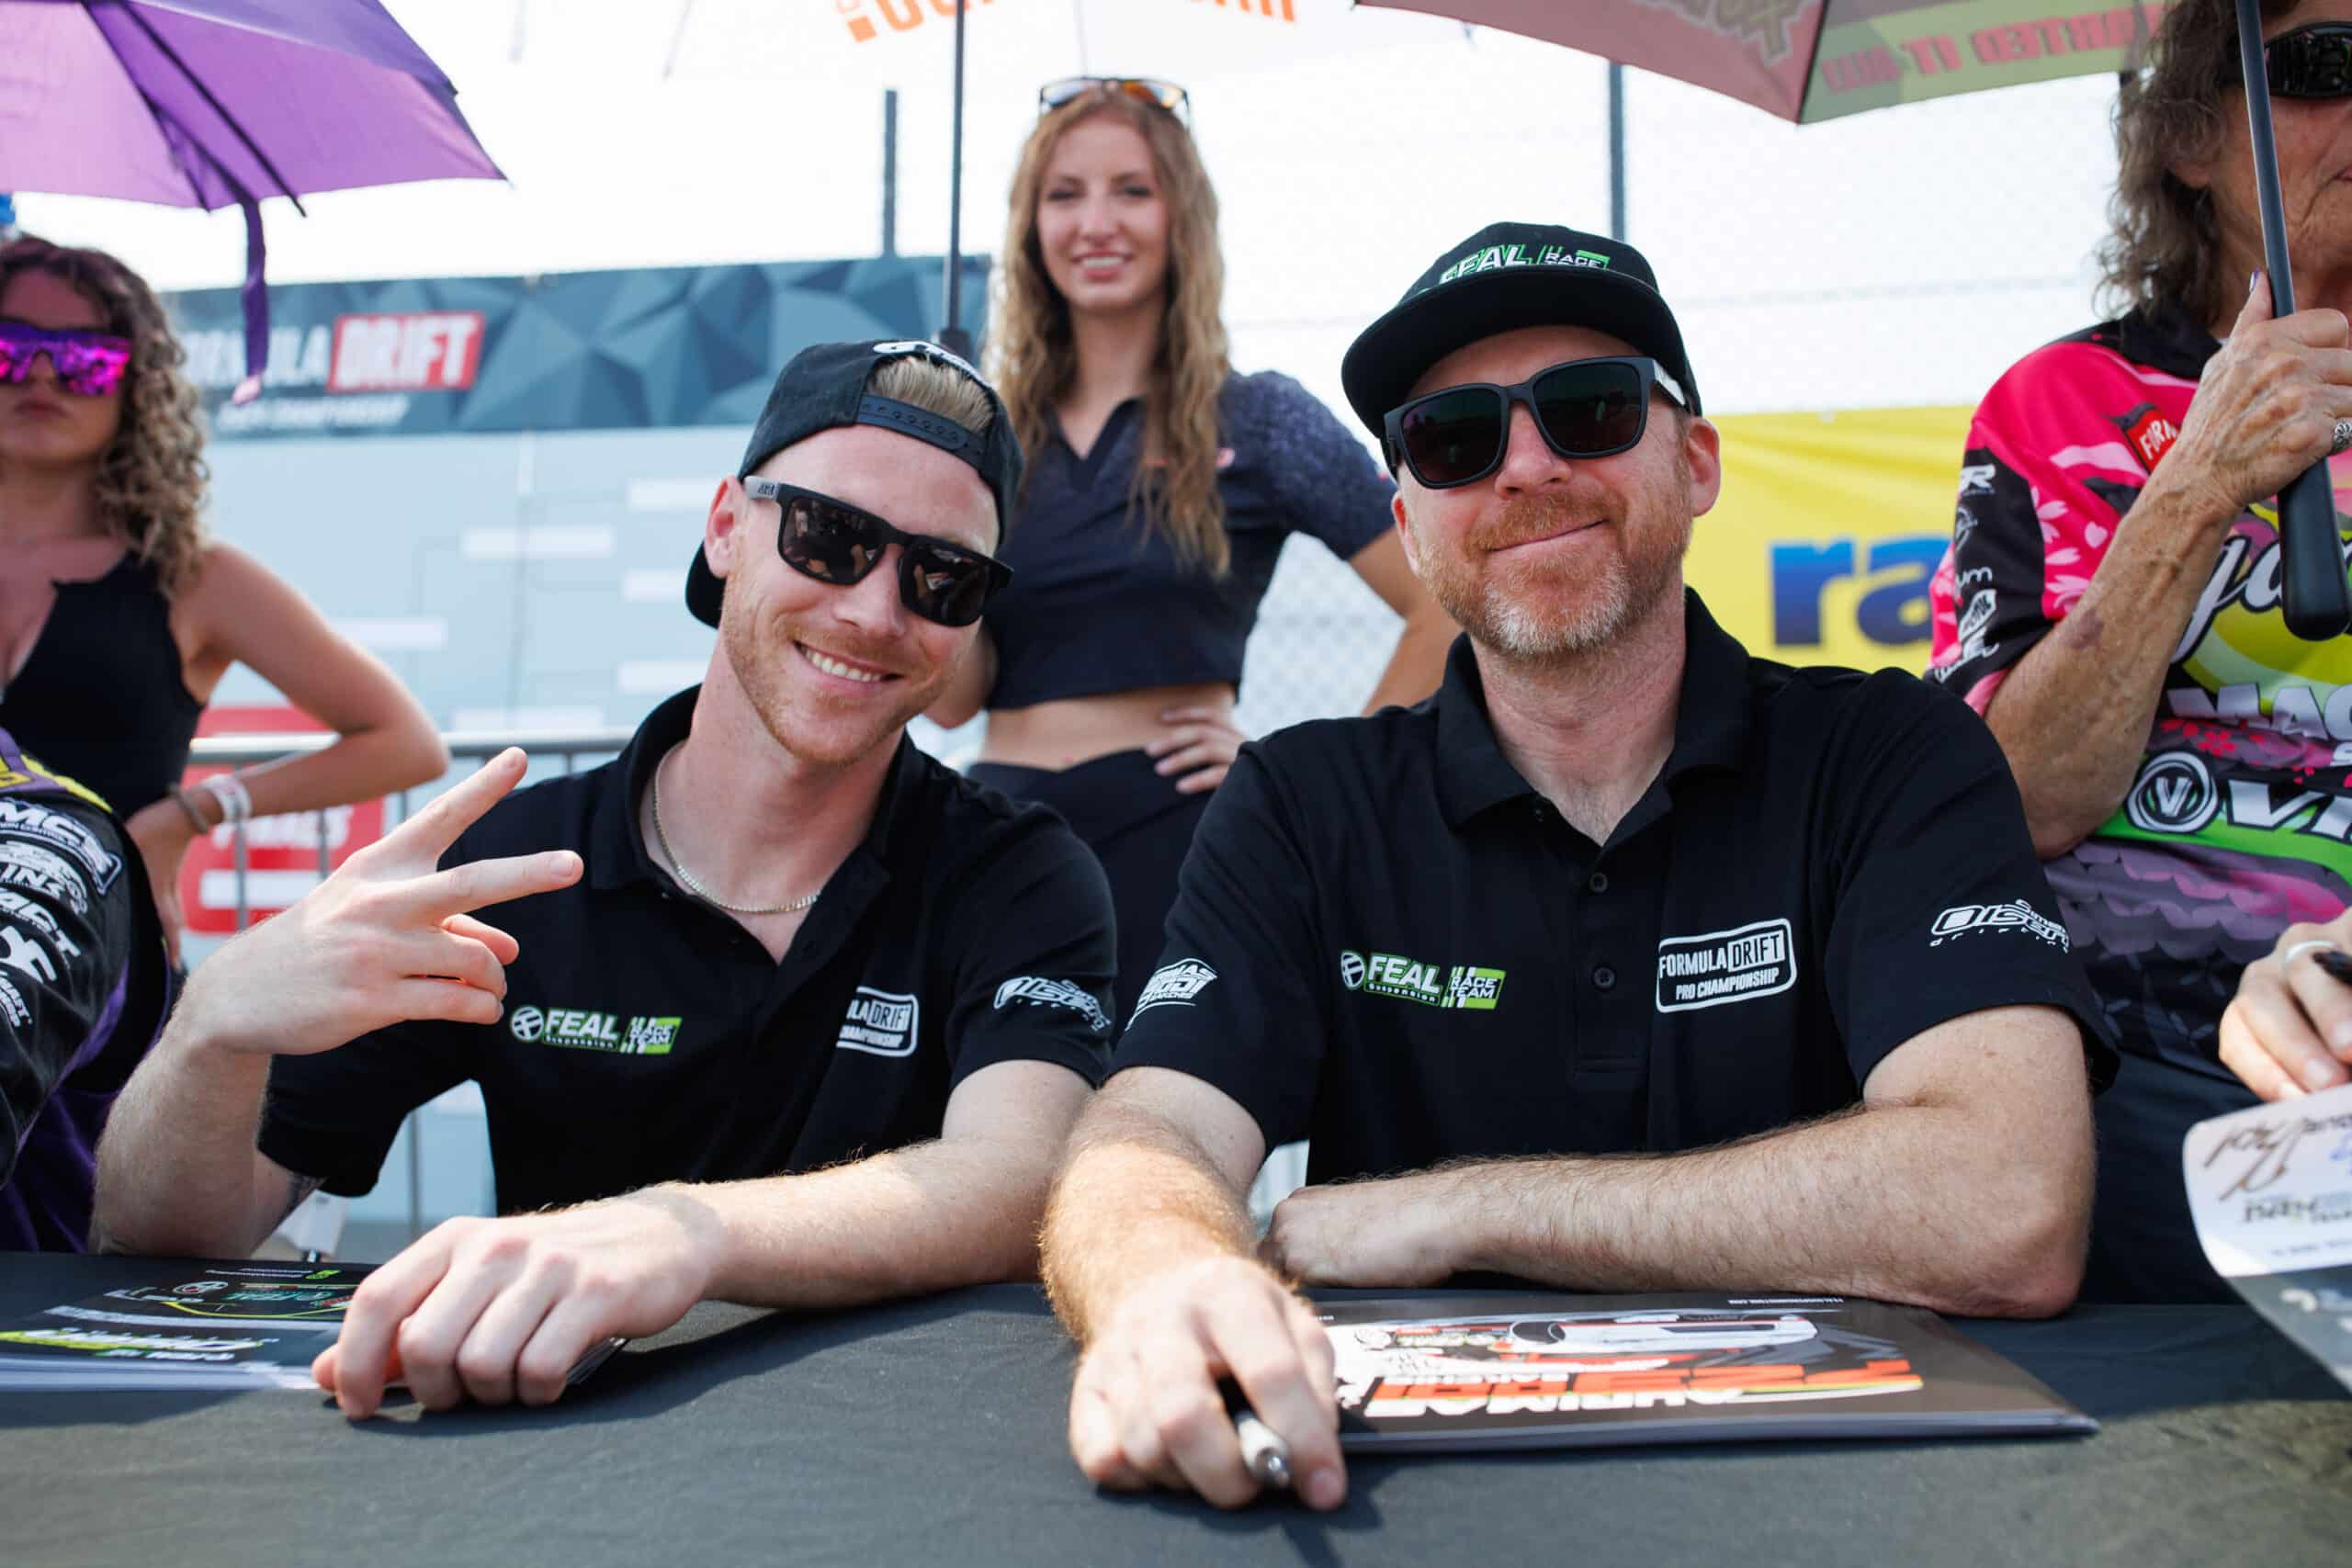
(649, 1038)
(1387, 940)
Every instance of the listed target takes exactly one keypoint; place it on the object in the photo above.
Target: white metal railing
(466, 747)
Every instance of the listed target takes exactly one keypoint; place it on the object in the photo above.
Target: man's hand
(1407, 1231)
(1146, 1410)
(499, 1310)
(2289, 1030)
(384, 940)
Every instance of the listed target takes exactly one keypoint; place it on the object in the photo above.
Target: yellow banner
(1829, 526)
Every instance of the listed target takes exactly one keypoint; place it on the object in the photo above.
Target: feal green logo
(579, 1030)
(1431, 984)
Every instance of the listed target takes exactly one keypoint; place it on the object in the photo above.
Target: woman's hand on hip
(162, 833)
(1200, 745)
(2266, 408)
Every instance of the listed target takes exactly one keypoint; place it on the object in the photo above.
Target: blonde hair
(152, 476)
(1034, 354)
(921, 382)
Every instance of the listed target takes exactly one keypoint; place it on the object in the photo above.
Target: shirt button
(1598, 882)
(1604, 976)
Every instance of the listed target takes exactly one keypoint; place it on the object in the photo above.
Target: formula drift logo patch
(576, 1029)
(1962, 920)
(1173, 985)
(1735, 966)
(1039, 991)
(881, 1024)
(420, 351)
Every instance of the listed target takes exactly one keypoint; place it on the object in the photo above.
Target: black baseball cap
(824, 387)
(1508, 275)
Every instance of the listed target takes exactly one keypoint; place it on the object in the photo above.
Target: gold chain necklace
(654, 792)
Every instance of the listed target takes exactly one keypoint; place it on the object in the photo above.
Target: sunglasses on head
(88, 365)
(2312, 61)
(1150, 89)
(1585, 408)
(840, 544)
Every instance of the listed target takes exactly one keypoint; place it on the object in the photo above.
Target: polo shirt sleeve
(1234, 1002)
(1327, 482)
(1035, 954)
(333, 1115)
(64, 942)
(1940, 906)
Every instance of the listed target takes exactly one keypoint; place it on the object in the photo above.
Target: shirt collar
(1711, 721)
(618, 855)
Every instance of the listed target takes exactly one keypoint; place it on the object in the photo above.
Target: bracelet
(236, 805)
(187, 809)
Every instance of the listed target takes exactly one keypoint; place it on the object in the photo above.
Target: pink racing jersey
(2237, 823)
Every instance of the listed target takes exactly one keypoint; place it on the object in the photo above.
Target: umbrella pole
(952, 336)
(2317, 600)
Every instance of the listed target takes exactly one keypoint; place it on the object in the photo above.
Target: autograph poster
(1473, 1371)
(2270, 1189)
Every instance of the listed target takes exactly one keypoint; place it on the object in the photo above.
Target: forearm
(1136, 1197)
(2073, 713)
(1417, 665)
(1915, 1203)
(929, 1217)
(362, 765)
(177, 1171)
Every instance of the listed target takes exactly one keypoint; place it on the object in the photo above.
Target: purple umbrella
(220, 103)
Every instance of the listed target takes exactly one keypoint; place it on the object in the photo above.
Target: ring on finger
(2341, 439)
(2314, 944)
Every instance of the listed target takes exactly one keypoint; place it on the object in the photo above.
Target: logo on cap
(1493, 256)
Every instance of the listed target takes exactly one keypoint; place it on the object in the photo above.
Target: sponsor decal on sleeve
(31, 869)
(16, 906)
(1967, 920)
(1718, 968)
(881, 1023)
(60, 830)
(19, 952)
(1039, 991)
(1173, 985)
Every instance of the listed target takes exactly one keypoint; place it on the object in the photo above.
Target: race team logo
(1173, 985)
(881, 1024)
(1389, 975)
(1717, 968)
(1041, 992)
(576, 1030)
(25, 820)
(2016, 915)
(37, 916)
(1495, 256)
(2174, 794)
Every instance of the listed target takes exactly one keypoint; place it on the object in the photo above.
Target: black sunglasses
(1586, 408)
(1150, 89)
(840, 544)
(2312, 61)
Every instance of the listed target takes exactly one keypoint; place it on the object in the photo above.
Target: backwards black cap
(1508, 275)
(824, 387)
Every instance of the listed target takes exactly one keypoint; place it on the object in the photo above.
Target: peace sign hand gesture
(386, 939)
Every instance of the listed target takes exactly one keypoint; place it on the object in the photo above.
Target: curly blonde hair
(1034, 355)
(152, 478)
(2165, 246)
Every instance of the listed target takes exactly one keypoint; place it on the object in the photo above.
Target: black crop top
(101, 698)
(1100, 602)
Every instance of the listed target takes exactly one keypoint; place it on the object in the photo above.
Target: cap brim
(1396, 351)
(703, 590)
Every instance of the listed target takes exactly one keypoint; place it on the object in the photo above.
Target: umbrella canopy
(1815, 60)
(220, 103)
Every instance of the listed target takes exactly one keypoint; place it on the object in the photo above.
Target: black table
(932, 1431)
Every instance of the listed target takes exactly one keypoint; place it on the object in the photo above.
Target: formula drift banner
(645, 348)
